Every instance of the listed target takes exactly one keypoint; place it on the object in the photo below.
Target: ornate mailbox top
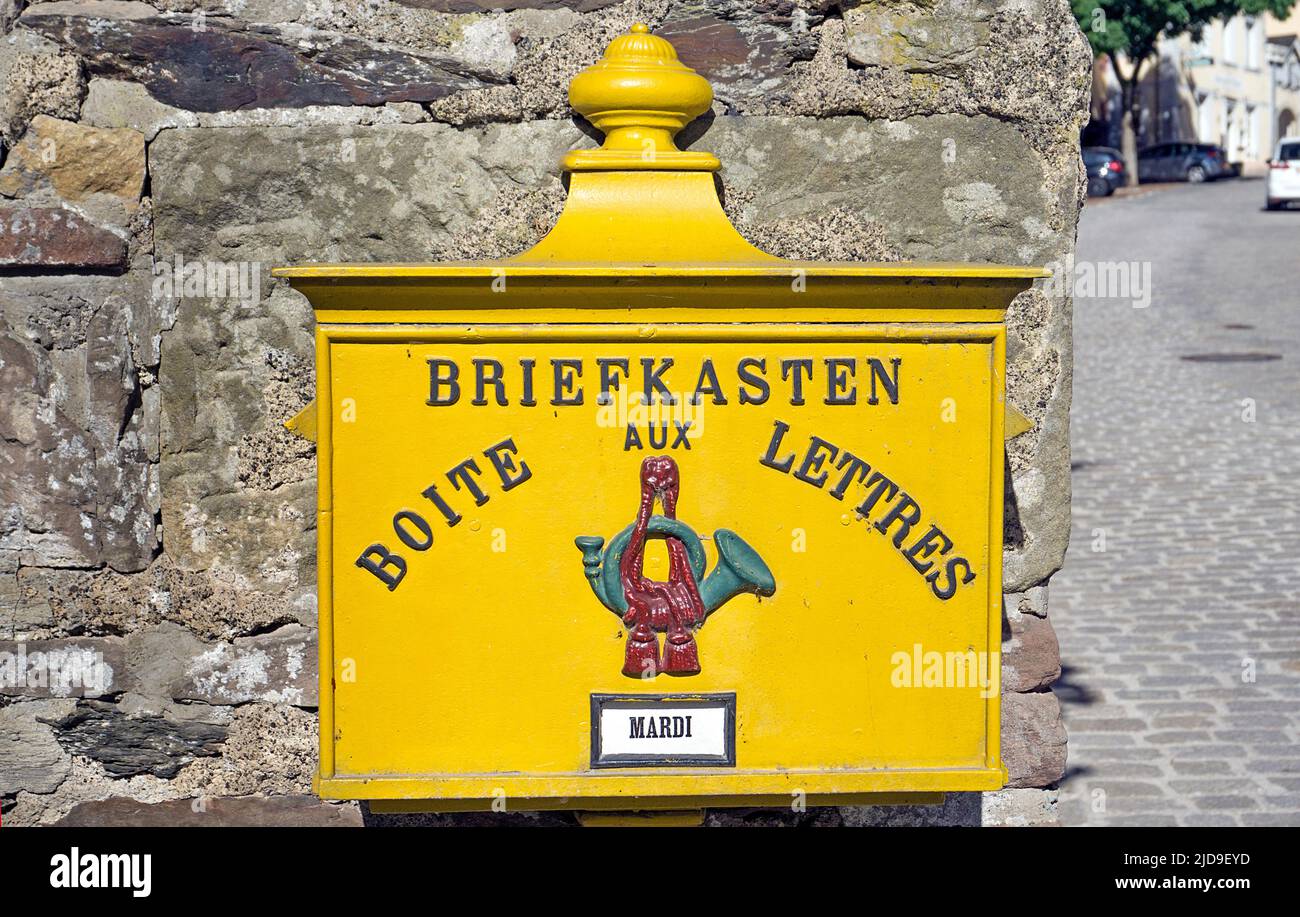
(639, 208)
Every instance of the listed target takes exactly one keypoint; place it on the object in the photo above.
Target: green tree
(1132, 28)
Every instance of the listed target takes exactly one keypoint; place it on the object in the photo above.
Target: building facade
(1284, 63)
(1227, 81)
(1238, 86)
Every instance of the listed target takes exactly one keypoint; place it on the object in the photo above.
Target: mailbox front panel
(825, 509)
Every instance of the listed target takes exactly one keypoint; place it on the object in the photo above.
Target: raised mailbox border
(642, 247)
(710, 786)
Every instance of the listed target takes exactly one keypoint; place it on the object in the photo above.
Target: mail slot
(646, 518)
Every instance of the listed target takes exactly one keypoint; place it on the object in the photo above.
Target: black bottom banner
(180, 867)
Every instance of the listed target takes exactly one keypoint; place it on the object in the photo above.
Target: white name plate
(663, 730)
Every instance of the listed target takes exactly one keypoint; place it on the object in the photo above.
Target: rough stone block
(36, 78)
(269, 749)
(122, 104)
(78, 433)
(941, 37)
(167, 661)
(50, 237)
(1033, 739)
(744, 48)
(1032, 601)
(157, 657)
(1031, 655)
(31, 758)
(917, 179)
(81, 667)
(100, 170)
(237, 812)
(126, 745)
(278, 667)
(260, 67)
(1020, 808)
(215, 605)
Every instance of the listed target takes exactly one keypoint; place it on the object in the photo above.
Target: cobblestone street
(1177, 609)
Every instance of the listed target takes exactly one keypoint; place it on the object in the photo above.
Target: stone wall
(156, 520)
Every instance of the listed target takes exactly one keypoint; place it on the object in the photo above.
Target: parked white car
(1283, 183)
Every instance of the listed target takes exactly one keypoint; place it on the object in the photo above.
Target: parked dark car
(1105, 170)
(1193, 162)
(1230, 169)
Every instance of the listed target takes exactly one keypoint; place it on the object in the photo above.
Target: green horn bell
(739, 569)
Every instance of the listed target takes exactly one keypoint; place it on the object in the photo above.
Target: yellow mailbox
(646, 518)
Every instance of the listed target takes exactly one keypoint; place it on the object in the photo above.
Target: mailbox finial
(637, 199)
(639, 94)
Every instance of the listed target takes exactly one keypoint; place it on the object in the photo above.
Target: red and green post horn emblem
(679, 606)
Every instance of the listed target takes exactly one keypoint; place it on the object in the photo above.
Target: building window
(1254, 42)
(1205, 119)
(1230, 41)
